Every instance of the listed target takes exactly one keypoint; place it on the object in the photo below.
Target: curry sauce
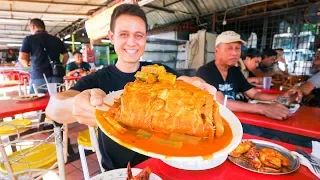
(161, 143)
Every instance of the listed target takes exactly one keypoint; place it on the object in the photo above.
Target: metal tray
(294, 161)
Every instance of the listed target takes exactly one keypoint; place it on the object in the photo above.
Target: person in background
(314, 81)
(266, 66)
(250, 61)
(229, 81)
(78, 104)
(281, 64)
(78, 67)
(11, 56)
(33, 46)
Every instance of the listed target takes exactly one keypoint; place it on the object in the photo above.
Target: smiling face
(129, 38)
(228, 53)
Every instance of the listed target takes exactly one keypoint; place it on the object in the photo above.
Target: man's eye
(123, 35)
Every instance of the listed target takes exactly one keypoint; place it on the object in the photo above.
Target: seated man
(229, 81)
(78, 66)
(314, 81)
(250, 61)
(266, 66)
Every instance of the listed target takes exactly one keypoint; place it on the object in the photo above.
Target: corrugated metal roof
(187, 6)
(56, 14)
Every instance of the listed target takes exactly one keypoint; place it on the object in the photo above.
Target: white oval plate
(195, 162)
(121, 174)
(29, 97)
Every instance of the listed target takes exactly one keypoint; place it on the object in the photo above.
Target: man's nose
(131, 41)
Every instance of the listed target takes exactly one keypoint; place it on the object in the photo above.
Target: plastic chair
(32, 162)
(88, 140)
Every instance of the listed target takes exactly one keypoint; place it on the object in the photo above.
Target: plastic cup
(267, 82)
(52, 88)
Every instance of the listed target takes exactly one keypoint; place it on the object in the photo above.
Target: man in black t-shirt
(229, 81)
(33, 46)
(128, 31)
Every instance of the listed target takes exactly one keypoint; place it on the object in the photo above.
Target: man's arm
(65, 58)
(255, 94)
(274, 111)
(306, 88)
(71, 73)
(60, 107)
(259, 73)
(24, 59)
(239, 106)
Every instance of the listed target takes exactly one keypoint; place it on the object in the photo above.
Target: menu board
(98, 26)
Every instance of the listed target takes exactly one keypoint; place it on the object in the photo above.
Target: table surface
(227, 170)
(306, 122)
(12, 107)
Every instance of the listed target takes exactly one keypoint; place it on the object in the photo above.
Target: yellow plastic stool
(11, 127)
(42, 156)
(84, 142)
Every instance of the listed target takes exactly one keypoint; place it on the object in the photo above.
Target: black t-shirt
(39, 60)
(111, 79)
(235, 81)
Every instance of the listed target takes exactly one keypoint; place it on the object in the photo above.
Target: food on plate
(242, 148)
(143, 175)
(262, 159)
(157, 102)
(31, 96)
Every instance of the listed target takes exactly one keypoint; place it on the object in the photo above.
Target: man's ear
(110, 35)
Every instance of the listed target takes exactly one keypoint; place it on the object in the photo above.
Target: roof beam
(25, 21)
(6, 31)
(48, 3)
(24, 24)
(159, 8)
(195, 5)
(9, 40)
(76, 16)
(13, 36)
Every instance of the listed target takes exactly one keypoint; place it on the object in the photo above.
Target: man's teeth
(131, 51)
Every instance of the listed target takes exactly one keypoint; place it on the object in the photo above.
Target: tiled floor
(73, 168)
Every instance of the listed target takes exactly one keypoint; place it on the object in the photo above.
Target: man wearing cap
(229, 81)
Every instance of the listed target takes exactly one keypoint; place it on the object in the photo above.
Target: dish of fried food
(157, 102)
(29, 97)
(162, 115)
(263, 158)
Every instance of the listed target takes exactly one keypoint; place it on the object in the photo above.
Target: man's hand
(255, 80)
(294, 94)
(275, 111)
(84, 105)
(80, 70)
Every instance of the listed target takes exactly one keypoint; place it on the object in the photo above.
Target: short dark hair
(129, 9)
(251, 53)
(268, 53)
(278, 49)
(77, 52)
(38, 23)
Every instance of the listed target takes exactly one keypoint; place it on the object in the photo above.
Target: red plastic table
(10, 107)
(306, 122)
(270, 91)
(225, 171)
